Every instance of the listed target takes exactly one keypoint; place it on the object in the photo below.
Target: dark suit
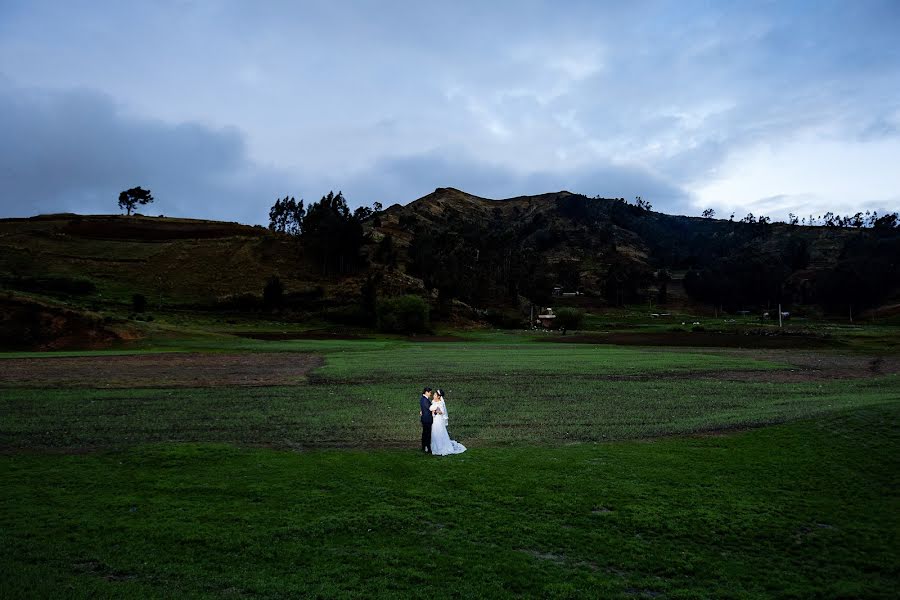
(427, 419)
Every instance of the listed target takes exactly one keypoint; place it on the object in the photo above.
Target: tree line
(868, 219)
(328, 229)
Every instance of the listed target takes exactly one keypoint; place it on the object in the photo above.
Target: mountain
(458, 250)
(493, 252)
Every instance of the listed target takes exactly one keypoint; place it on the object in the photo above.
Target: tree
(569, 318)
(286, 216)
(369, 296)
(362, 213)
(385, 252)
(139, 303)
(403, 314)
(792, 219)
(642, 204)
(333, 234)
(130, 199)
(273, 293)
(663, 277)
(886, 222)
(708, 213)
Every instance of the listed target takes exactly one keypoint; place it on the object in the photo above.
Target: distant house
(547, 318)
(557, 291)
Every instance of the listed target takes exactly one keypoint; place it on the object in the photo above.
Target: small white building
(547, 318)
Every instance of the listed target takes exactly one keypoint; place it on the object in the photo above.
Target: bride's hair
(440, 393)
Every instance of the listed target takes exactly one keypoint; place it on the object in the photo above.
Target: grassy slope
(804, 510)
(160, 258)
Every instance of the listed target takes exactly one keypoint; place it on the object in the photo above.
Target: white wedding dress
(441, 444)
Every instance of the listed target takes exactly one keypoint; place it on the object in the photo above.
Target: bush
(239, 302)
(347, 315)
(502, 320)
(139, 303)
(273, 293)
(402, 314)
(569, 318)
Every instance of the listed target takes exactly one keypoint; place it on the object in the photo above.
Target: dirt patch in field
(435, 338)
(324, 334)
(159, 370)
(811, 366)
(317, 334)
(702, 339)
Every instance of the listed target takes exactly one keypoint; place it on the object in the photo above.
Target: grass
(445, 363)
(592, 471)
(483, 412)
(803, 510)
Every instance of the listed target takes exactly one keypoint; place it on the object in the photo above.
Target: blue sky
(220, 107)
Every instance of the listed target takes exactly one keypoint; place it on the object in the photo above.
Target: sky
(221, 107)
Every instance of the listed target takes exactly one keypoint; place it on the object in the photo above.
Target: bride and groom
(433, 413)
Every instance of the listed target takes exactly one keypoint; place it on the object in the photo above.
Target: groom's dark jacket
(425, 405)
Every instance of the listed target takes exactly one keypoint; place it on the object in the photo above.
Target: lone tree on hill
(709, 213)
(130, 199)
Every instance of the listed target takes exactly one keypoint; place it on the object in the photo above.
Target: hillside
(454, 247)
(490, 252)
(172, 261)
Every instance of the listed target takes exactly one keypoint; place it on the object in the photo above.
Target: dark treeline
(588, 244)
(329, 231)
(595, 245)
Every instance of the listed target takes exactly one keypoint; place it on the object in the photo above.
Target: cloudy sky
(219, 107)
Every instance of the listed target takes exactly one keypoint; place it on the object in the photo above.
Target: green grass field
(592, 471)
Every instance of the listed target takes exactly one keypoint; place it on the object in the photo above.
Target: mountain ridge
(452, 246)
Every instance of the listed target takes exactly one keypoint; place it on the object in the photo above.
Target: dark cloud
(74, 151)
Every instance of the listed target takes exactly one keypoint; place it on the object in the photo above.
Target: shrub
(569, 318)
(273, 293)
(239, 302)
(502, 320)
(402, 314)
(347, 315)
(139, 303)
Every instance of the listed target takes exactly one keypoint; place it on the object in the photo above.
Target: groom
(427, 419)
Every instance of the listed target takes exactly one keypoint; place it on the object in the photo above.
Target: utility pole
(779, 315)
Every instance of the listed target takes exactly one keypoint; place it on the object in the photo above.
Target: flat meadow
(232, 467)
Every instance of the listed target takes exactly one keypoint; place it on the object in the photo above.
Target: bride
(441, 444)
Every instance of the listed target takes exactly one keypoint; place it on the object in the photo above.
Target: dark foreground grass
(808, 509)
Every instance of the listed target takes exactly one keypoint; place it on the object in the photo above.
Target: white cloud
(804, 175)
